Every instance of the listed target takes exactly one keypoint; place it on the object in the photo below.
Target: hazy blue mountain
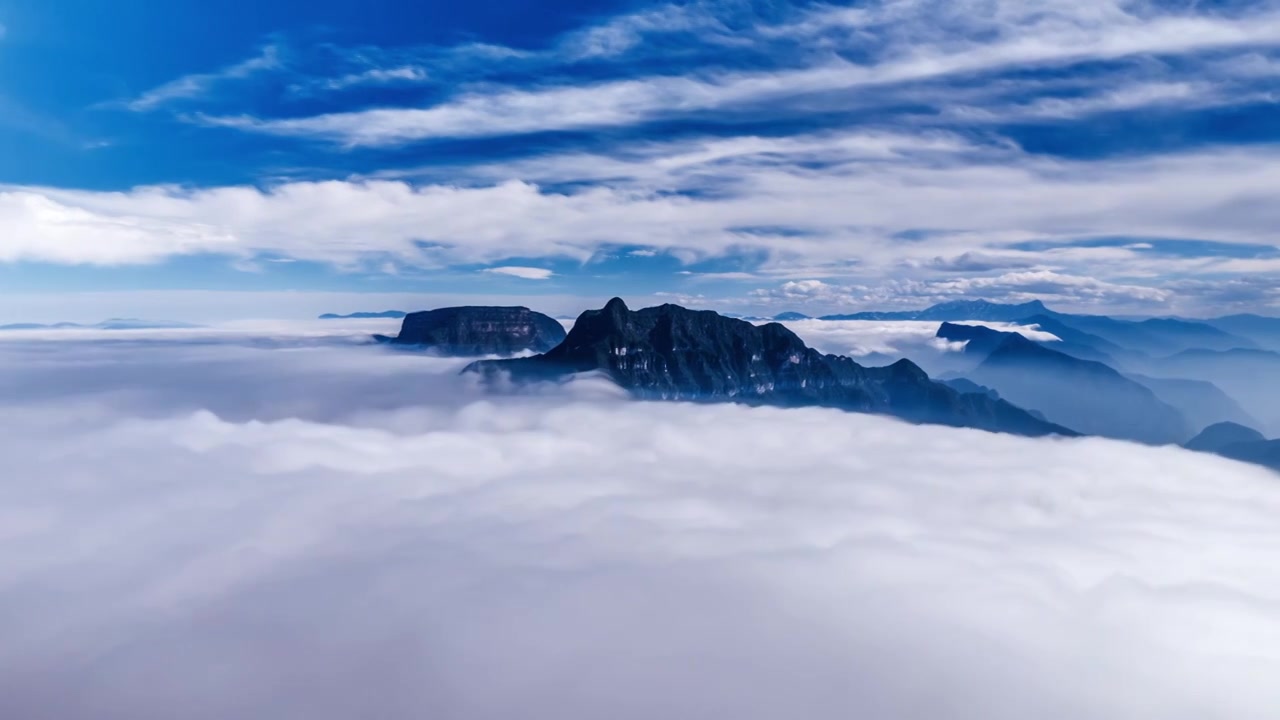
(1250, 377)
(956, 310)
(385, 314)
(1217, 437)
(1202, 403)
(1265, 453)
(965, 385)
(112, 324)
(1264, 331)
(672, 353)
(1157, 336)
(1083, 345)
(479, 330)
(1087, 396)
(791, 316)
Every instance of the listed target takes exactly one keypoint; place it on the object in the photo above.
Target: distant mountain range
(1084, 395)
(112, 324)
(384, 315)
(1157, 381)
(953, 311)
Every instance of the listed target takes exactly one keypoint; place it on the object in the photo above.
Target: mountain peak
(673, 353)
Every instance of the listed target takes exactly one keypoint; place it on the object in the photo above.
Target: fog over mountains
(1020, 368)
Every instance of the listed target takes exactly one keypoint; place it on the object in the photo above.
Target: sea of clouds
(303, 526)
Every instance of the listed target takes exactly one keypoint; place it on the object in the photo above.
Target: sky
(284, 522)
(182, 158)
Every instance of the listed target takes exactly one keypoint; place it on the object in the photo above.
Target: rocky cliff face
(480, 331)
(673, 353)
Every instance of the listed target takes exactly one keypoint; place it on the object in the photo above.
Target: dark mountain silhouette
(479, 331)
(672, 353)
(385, 314)
(955, 310)
(979, 340)
(1216, 437)
(1082, 394)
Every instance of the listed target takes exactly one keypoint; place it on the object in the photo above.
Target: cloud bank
(240, 530)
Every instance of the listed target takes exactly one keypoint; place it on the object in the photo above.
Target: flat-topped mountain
(672, 353)
(479, 330)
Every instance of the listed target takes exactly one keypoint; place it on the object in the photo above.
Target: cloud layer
(359, 532)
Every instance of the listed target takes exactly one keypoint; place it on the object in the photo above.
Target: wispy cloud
(921, 42)
(195, 86)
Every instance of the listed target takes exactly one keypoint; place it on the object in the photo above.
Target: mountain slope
(1202, 403)
(1087, 396)
(1216, 437)
(672, 353)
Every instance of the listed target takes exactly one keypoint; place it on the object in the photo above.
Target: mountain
(1251, 377)
(1264, 331)
(978, 339)
(982, 340)
(1238, 442)
(1157, 336)
(1216, 437)
(1202, 403)
(385, 314)
(479, 330)
(955, 310)
(1265, 453)
(791, 316)
(1088, 396)
(1083, 345)
(672, 353)
(112, 324)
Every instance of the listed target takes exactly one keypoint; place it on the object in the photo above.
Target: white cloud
(924, 40)
(378, 76)
(360, 532)
(914, 339)
(527, 273)
(197, 85)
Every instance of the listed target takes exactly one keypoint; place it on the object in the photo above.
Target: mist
(307, 526)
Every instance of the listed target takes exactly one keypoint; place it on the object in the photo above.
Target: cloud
(913, 339)
(527, 273)
(197, 85)
(921, 42)
(378, 76)
(856, 216)
(358, 531)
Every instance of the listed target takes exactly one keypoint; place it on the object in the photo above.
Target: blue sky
(750, 156)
